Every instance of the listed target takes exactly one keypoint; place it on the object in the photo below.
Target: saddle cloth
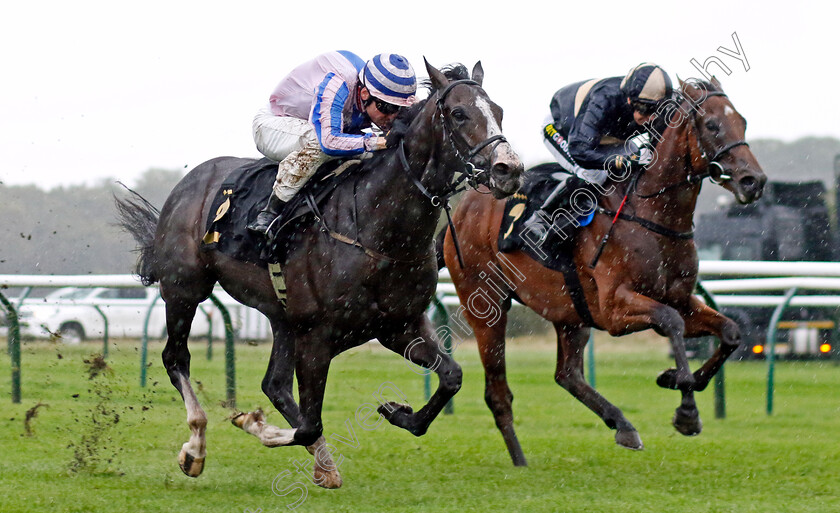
(245, 192)
(540, 181)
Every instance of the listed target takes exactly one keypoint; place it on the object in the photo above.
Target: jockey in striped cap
(319, 111)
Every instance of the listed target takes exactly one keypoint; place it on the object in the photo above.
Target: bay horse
(340, 294)
(646, 270)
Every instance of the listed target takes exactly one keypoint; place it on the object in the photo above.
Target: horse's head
(720, 130)
(473, 125)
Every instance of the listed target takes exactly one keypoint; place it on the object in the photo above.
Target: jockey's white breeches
(291, 142)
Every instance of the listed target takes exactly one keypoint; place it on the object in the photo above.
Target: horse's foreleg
(312, 364)
(633, 312)
(420, 345)
(569, 375)
(277, 386)
(497, 394)
(176, 361)
(703, 320)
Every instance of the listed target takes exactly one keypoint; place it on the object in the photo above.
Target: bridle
(471, 174)
(471, 171)
(690, 180)
(722, 177)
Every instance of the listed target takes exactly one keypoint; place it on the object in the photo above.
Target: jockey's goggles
(385, 107)
(644, 108)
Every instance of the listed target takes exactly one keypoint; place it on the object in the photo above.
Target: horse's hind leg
(277, 386)
(571, 342)
(176, 361)
(420, 345)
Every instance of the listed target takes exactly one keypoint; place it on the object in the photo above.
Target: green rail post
(9, 307)
(14, 346)
(144, 350)
(590, 360)
(440, 318)
(720, 377)
(770, 346)
(105, 334)
(230, 357)
(209, 316)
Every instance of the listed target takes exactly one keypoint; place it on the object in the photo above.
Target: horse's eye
(712, 125)
(459, 114)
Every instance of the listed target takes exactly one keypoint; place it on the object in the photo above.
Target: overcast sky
(96, 90)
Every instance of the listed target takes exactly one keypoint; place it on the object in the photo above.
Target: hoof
(241, 419)
(687, 422)
(667, 379)
(190, 465)
(238, 420)
(401, 415)
(629, 439)
(327, 479)
(391, 408)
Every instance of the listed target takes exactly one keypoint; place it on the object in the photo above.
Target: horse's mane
(659, 124)
(455, 71)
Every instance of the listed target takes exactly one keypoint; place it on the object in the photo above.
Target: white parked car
(79, 313)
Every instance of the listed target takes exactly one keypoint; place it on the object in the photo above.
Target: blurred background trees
(71, 230)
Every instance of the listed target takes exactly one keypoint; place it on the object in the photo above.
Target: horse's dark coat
(338, 295)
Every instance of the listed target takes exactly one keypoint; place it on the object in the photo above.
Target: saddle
(539, 183)
(554, 252)
(243, 194)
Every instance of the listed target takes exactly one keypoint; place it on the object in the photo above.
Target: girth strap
(578, 297)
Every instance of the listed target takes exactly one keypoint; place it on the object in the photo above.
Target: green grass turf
(748, 462)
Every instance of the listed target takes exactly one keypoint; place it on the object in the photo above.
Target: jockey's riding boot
(540, 222)
(267, 215)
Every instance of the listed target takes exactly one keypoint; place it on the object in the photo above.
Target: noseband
(723, 176)
(692, 179)
(471, 173)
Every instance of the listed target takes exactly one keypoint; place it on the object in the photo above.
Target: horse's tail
(439, 248)
(139, 218)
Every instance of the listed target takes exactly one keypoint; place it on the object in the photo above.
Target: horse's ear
(715, 83)
(478, 73)
(439, 81)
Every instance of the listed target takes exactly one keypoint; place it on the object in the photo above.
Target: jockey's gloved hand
(598, 176)
(376, 144)
(643, 157)
(396, 133)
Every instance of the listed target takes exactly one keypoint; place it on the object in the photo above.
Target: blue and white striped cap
(391, 78)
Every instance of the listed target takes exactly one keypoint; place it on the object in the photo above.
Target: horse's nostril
(748, 183)
(501, 169)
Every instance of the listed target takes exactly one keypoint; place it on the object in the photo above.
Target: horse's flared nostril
(748, 182)
(501, 169)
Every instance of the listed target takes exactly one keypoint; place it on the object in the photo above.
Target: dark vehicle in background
(791, 222)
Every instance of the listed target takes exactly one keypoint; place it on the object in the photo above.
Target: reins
(471, 174)
(690, 180)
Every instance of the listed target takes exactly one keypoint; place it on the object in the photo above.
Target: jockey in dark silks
(597, 126)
